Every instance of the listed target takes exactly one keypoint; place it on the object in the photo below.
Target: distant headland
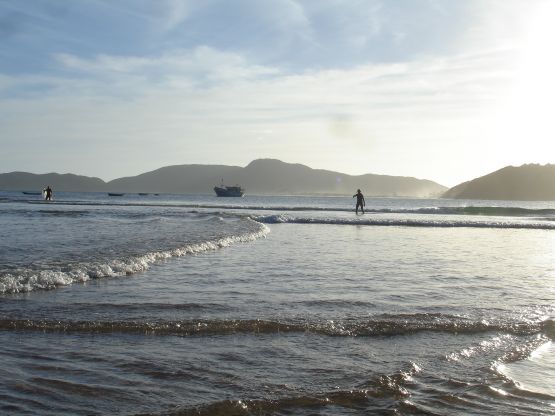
(531, 182)
(261, 176)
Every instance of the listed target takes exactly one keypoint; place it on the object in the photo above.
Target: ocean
(267, 305)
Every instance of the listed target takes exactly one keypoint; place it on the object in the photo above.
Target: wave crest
(29, 279)
(394, 326)
(404, 222)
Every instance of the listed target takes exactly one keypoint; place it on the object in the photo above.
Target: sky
(436, 89)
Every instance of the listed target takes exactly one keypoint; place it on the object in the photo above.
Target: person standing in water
(48, 193)
(360, 201)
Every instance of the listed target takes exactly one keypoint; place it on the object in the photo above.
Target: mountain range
(261, 176)
(274, 177)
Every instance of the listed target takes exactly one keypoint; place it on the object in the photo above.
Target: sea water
(182, 305)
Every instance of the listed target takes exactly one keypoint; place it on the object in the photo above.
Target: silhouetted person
(48, 193)
(360, 201)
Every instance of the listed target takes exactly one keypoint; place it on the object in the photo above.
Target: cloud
(356, 86)
(201, 67)
(291, 35)
(161, 16)
(176, 12)
(102, 63)
(441, 84)
(114, 102)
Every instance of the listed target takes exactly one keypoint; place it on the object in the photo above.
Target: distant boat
(114, 194)
(143, 193)
(32, 192)
(229, 190)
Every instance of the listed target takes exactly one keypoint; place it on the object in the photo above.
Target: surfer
(48, 193)
(360, 201)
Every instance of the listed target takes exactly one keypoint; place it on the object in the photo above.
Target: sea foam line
(480, 210)
(26, 280)
(404, 222)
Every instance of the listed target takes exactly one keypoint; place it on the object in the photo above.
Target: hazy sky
(446, 90)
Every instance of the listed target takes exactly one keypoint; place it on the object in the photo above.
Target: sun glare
(529, 119)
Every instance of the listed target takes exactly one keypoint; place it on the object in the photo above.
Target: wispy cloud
(367, 106)
(357, 86)
(201, 66)
(176, 12)
(102, 63)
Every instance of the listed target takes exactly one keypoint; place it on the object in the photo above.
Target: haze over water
(275, 305)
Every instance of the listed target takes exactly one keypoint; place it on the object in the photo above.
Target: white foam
(536, 373)
(26, 280)
(404, 222)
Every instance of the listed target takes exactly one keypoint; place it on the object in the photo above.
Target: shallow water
(261, 305)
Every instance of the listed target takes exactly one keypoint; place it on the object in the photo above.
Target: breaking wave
(29, 279)
(406, 222)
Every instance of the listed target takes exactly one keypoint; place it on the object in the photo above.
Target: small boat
(31, 193)
(114, 194)
(143, 193)
(224, 190)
